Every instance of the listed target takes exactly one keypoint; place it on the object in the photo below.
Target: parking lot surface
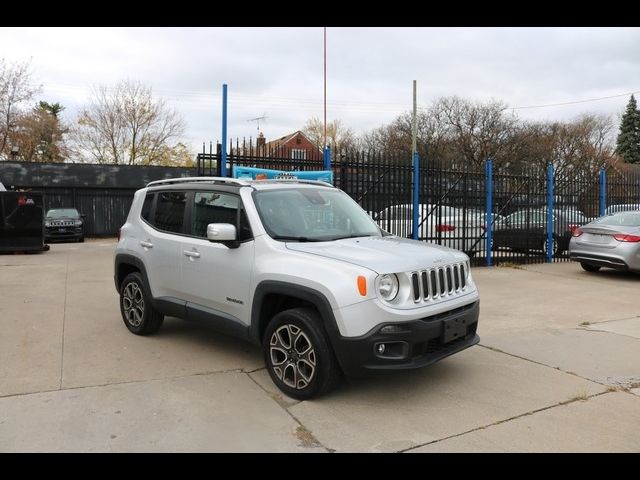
(557, 369)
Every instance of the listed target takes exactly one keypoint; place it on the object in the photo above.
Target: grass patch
(509, 265)
(582, 396)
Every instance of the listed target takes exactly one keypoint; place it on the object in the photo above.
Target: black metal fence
(453, 200)
(102, 192)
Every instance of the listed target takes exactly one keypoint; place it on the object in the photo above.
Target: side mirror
(223, 233)
(83, 215)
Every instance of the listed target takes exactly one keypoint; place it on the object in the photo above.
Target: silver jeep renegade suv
(297, 267)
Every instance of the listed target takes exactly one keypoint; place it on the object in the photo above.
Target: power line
(573, 102)
(305, 103)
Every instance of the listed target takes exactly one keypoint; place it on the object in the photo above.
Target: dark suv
(63, 224)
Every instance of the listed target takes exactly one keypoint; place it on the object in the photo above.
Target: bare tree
(124, 124)
(16, 89)
(478, 131)
(338, 136)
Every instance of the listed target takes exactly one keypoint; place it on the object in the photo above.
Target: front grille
(62, 223)
(439, 282)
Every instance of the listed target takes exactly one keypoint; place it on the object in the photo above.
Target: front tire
(298, 356)
(589, 268)
(135, 306)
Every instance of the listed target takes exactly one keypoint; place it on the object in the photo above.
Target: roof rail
(169, 181)
(292, 180)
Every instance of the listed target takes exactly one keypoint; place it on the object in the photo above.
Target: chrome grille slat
(437, 283)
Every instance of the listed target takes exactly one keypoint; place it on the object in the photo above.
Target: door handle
(146, 244)
(191, 254)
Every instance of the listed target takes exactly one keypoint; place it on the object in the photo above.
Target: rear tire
(298, 356)
(81, 239)
(589, 268)
(136, 309)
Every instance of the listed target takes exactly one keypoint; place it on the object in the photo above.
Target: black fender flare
(126, 259)
(307, 294)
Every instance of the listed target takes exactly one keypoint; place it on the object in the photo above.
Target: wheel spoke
(283, 337)
(278, 356)
(289, 375)
(305, 370)
(301, 344)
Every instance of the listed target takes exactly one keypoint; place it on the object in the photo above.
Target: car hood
(56, 219)
(382, 254)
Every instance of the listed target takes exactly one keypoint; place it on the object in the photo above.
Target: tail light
(621, 237)
(576, 231)
(445, 228)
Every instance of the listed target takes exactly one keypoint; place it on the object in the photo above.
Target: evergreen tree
(628, 145)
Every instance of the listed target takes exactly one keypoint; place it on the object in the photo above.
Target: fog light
(380, 348)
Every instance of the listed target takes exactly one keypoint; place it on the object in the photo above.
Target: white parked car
(298, 268)
(452, 227)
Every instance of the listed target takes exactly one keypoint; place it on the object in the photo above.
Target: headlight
(77, 223)
(47, 224)
(388, 286)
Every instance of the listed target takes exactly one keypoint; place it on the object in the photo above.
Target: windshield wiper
(353, 235)
(296, 239)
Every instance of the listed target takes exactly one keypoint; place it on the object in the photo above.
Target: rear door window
(169, 213)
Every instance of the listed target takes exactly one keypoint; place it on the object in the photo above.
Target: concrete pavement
(558, 369)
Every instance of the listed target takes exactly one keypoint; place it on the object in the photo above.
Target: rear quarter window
(146, 207)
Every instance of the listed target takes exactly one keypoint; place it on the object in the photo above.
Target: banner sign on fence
(251, 173)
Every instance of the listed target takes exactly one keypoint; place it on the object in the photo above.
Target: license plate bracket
(453, 329)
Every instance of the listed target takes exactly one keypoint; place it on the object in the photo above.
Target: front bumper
(408, 345)
(53, 233)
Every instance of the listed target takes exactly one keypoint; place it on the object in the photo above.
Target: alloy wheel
(133, 304)
(293, 357)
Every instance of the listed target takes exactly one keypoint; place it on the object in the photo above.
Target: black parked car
(63, 224)
(526, 230)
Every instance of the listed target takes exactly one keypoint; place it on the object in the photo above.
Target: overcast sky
(278, 72)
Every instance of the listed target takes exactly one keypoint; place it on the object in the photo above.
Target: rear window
(625, 219)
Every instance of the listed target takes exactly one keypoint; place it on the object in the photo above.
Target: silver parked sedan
(611, 241)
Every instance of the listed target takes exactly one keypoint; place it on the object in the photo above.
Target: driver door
(216, 277)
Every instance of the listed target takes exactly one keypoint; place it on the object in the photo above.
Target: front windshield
(312, 215)
(63, 213)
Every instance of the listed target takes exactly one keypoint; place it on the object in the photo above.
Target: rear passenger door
(217, 278)
(160, 242)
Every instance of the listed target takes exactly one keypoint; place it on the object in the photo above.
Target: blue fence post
(223, 164)
(489, 210)
(549, 213)
(416, 195)
(603, 191)
(327, 157)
